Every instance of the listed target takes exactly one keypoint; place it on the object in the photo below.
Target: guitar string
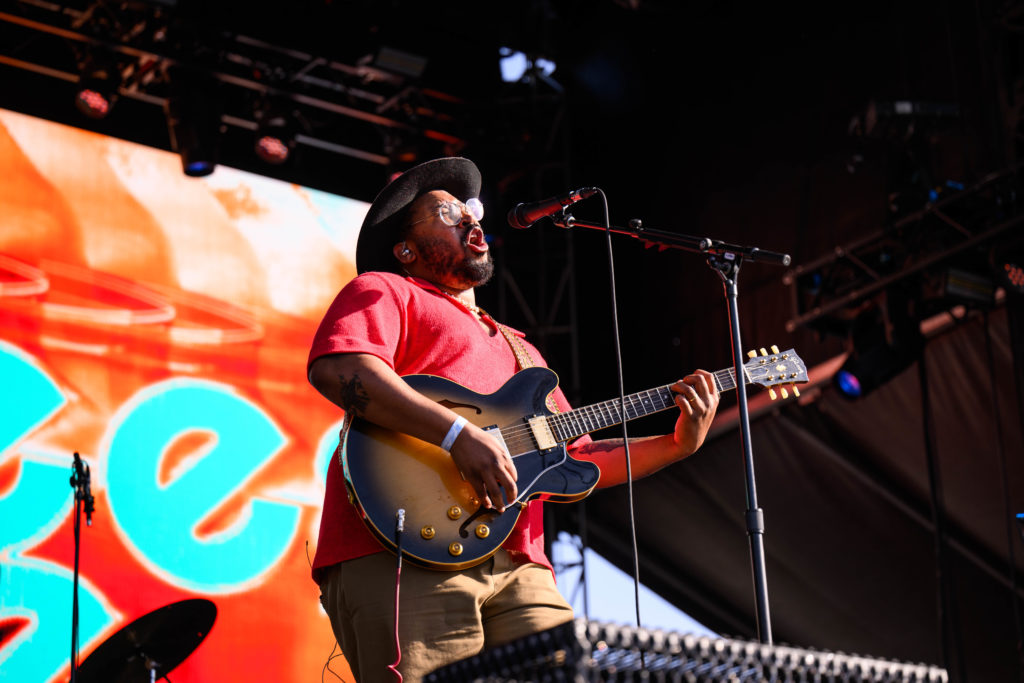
(521, 436)
(523, 432)
(588, 417)
(574, 423)
(594, 417)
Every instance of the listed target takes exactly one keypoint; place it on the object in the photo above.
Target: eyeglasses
(453, 212)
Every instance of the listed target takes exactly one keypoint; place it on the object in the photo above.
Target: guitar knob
(482, 531)
(455, 549)
(428, 532)
(454, 512)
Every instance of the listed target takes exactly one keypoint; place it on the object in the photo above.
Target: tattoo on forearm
(354, 398)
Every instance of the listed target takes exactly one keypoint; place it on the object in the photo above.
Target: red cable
(398, 585)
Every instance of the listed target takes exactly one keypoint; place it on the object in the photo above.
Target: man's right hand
(367, 386)
(486, 466)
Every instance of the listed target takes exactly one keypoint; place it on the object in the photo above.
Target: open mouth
(476, 242)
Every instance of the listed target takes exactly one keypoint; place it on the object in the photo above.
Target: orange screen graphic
(158, 325)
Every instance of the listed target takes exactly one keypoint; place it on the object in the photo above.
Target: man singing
(412, 310)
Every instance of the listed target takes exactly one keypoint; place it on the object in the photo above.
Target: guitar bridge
(495, 431)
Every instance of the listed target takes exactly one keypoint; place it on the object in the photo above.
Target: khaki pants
(443, 617)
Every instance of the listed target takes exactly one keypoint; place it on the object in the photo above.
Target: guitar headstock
(778, 368)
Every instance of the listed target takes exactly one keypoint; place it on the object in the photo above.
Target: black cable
(336, 646)
(947, 610)
(1004, 476)
(327, 664)
(76, 481)
(625, 420)
(583, 557)
(74, 598)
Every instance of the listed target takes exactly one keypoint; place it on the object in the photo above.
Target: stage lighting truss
(346, 105)
(941, 253)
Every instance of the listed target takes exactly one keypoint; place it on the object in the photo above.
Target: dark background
(761, 125)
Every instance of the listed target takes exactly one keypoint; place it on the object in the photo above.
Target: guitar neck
(575, 423)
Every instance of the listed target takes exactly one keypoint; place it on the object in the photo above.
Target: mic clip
(563, 219)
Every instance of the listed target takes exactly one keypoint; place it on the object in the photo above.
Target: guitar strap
(523, 358)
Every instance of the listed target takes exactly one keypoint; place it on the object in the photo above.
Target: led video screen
(158, 325)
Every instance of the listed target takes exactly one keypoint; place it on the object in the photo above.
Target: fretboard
(567, 426)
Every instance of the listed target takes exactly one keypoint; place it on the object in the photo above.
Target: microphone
(524, 215)
(81, 481)
(89, 502)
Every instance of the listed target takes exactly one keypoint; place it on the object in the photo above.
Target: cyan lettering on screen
(159, 520)
(35, 592)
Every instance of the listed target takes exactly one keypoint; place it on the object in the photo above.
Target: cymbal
(152, 645)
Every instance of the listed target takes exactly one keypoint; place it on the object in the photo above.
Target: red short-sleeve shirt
(416, 329)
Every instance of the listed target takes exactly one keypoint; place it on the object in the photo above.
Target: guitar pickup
(542, 432)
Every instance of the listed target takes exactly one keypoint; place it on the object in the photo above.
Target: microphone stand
(725, 259)
(80, 482)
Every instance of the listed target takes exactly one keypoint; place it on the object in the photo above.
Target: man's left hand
(697, 399)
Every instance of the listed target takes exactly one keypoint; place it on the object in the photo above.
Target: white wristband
(453, 433)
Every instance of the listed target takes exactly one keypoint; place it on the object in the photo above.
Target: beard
(453, 267)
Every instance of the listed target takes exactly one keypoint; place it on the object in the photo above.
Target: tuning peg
(763, 352)
(796, 392)
(775, 349)
(751, 354)
(771, 392)
(785, 394)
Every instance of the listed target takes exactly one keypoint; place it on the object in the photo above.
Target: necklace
(474, 309)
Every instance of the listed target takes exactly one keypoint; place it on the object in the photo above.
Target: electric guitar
(445, 526)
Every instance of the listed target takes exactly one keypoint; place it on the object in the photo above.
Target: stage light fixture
(98, 83)
(969, 286)
(193, 121)
(399, 62)
(514, 65)
(94, 102)
(1007, 261)
(275, 137)
(886, 341)
(866, 370)
(1013, 277)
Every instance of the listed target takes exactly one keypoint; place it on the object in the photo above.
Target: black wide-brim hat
(381, 228)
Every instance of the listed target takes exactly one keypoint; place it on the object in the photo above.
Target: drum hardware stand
(80, 482)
